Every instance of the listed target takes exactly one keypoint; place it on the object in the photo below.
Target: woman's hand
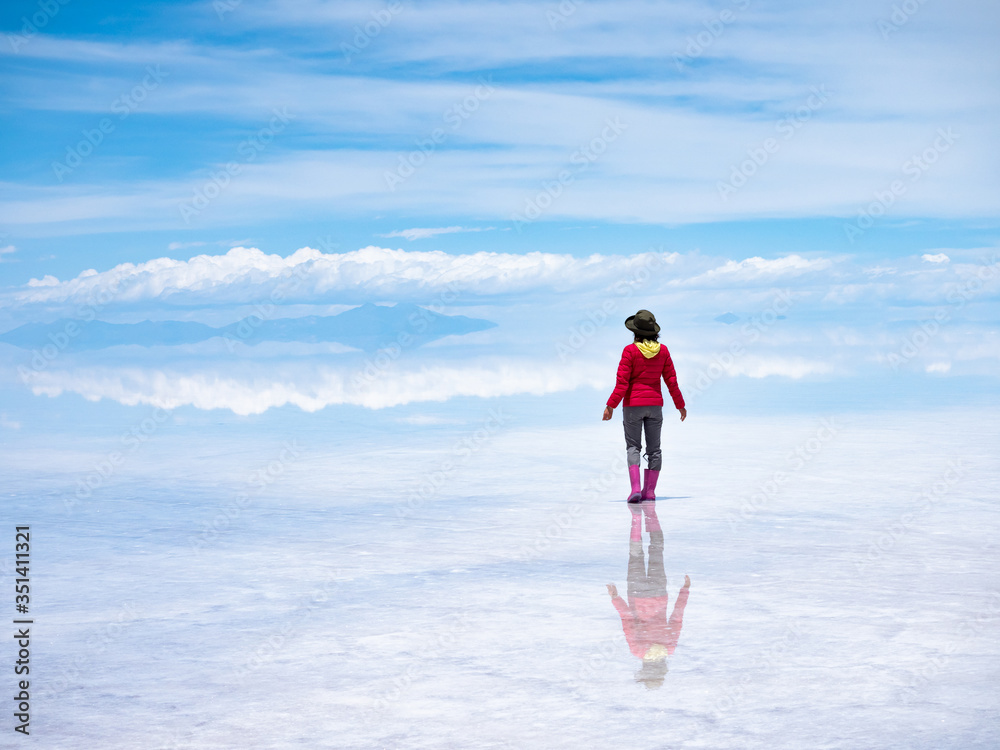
(608, 411)
(613, 590)
(684, 413)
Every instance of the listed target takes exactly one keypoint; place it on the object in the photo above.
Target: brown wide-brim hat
(642, 323)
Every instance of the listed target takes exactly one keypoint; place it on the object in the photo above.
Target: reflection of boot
(633, 475)
(635, 534)
(652, 522)
(648, 490)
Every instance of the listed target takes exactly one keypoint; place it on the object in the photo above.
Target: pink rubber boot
(633, 475)
(648, 490)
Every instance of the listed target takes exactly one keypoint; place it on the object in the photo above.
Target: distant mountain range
(368, 327)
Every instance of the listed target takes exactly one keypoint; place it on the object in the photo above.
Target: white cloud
(48, 281)
(8, 250)
(876, 271)
(247, 275)
(935, 258)
(425, 233)
(757, 268)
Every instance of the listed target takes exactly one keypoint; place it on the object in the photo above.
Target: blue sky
(187, 159)
(184, 89)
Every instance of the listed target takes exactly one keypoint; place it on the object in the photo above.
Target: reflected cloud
(651, 636)
(252, 387)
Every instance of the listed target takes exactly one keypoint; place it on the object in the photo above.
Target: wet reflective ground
(280, 589)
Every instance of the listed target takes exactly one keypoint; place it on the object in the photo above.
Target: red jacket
(645, 622)
(638, 379)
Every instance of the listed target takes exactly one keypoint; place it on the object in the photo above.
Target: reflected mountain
(651, 636)
(368, 327)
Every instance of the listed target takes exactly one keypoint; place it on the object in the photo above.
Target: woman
(650, 635)
(643, 363)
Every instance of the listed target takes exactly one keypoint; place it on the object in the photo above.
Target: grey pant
(644, 583)
(637, 419)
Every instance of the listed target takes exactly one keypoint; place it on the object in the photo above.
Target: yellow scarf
(649, 349)
(656, 652)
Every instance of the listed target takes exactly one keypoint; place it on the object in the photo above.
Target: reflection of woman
(643, 363)
(650, 635)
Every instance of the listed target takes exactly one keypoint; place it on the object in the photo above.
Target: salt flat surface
(445, 586)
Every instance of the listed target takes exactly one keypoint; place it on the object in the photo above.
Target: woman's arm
(629, 626)
(670, 376)
(676, 621)
(622, 378)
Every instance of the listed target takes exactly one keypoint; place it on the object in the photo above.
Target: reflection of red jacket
(638, 380)
(644, 620)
